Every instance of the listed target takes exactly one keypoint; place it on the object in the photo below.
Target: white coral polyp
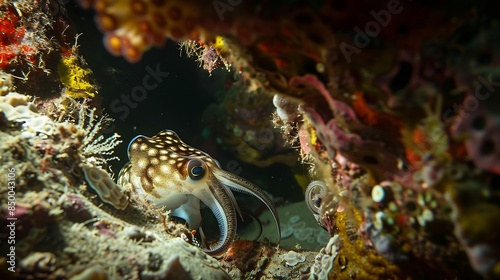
(17, 107)
(293, 258)
(40, 124)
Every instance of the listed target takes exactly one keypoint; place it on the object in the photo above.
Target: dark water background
(177, 103)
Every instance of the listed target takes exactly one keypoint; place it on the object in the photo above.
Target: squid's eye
(196, 169)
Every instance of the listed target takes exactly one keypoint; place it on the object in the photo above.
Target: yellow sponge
(76, 78)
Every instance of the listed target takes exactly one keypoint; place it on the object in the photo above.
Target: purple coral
(481, 126)
(75, 209)
(345, 134)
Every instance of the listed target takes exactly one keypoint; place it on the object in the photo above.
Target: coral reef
(209, 57)
(38, 45)
(70, 220)
(134, 26)
(395, 117)
(247, 130)
(76, 78)
(20, 44)
(60, 224)
(252, 260)
(34, 37)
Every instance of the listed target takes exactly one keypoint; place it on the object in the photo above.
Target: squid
(163, 171)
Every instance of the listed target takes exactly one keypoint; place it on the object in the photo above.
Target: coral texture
(393, 114)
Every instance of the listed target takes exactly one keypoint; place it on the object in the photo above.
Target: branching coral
(210, 56)
(97, 149)
(66, 146)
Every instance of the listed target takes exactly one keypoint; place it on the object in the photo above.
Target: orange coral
(362, 109)
(133, 26)
(371, 116)
(419, 138)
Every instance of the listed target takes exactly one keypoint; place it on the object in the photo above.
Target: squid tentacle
(219, 202)
(239, 184)
(164, 171)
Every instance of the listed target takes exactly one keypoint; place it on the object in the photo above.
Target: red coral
(13, 43)
(375, 118)
(11, 35)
